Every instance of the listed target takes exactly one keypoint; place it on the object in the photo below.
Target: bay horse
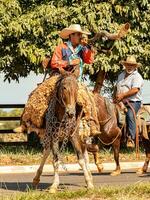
(110, 132)
(65, 105)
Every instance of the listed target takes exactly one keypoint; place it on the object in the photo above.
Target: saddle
(143, 121)
(116, 109)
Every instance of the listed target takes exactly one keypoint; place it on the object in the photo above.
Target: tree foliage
(29, 30)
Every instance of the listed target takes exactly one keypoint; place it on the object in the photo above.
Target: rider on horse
(70, 56)
(129, 88)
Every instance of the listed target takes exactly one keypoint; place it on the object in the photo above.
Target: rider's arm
(131, 92)
(125, 95)
(137, 84)
(88, 55)
(57, 61)
(46, 62)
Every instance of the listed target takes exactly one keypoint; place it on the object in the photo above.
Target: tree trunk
(99, 81)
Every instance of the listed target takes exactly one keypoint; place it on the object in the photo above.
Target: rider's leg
(131, 121)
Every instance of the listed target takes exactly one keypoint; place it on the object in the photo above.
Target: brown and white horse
(66, 98)
(110, 132)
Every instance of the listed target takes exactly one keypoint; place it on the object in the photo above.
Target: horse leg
(144, 169)
(94, 149)
(97, 162)
(116, 149)
(36, 179)
(145, 166)
(87, 174)
(86, 158)
(54, 186)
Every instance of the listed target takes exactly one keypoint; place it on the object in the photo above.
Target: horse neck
(101, 107)
(103, 114)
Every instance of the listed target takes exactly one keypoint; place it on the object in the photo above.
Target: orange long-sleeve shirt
(60, 58)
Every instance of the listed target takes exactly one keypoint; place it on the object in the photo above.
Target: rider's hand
(75, 62)
(84, 41)
(119, 97)
(45, 62)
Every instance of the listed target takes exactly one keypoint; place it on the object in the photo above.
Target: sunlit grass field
(138, 191)
(26, 155)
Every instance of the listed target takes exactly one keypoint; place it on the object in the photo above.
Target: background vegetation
(29, 30)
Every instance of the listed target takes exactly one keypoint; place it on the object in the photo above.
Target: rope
(111, 141)
(45, 74)
(114, 139)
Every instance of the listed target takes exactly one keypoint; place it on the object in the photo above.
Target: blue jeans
(130, 120)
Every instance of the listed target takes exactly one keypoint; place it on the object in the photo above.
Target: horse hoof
(90, 186)
(116, 173)
(52, 190)
(140, 171)
(35, 182)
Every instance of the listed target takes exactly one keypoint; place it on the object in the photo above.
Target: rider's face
(75, 38)
(130, 68)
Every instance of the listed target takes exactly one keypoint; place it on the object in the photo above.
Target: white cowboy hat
(64, 34)
(130, 60)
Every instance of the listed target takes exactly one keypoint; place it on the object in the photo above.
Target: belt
(126, 103)
(135, 101)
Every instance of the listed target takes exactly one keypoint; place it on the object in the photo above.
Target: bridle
(59, 95)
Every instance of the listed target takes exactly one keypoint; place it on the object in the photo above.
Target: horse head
(67, 92)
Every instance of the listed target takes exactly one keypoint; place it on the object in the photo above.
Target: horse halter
(59, 92)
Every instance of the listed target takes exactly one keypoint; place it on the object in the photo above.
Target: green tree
(29, 30)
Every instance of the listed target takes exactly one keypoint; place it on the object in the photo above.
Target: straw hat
(130, 60)
(64, 34)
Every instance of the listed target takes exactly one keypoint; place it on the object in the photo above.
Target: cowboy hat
(130, 60)
(64, 34)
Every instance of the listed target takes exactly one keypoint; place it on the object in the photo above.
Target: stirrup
(130, 143)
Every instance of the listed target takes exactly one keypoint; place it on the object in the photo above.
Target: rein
(108, 132)
(60, 101)
(78, 123)
(104, 122)
(111, 141)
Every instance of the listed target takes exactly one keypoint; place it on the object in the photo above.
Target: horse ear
(76, 71)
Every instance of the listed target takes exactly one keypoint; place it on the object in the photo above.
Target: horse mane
(67, 75)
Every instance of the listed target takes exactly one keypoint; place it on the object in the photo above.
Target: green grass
(137, 191)
(24, 155)
(20, 155)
